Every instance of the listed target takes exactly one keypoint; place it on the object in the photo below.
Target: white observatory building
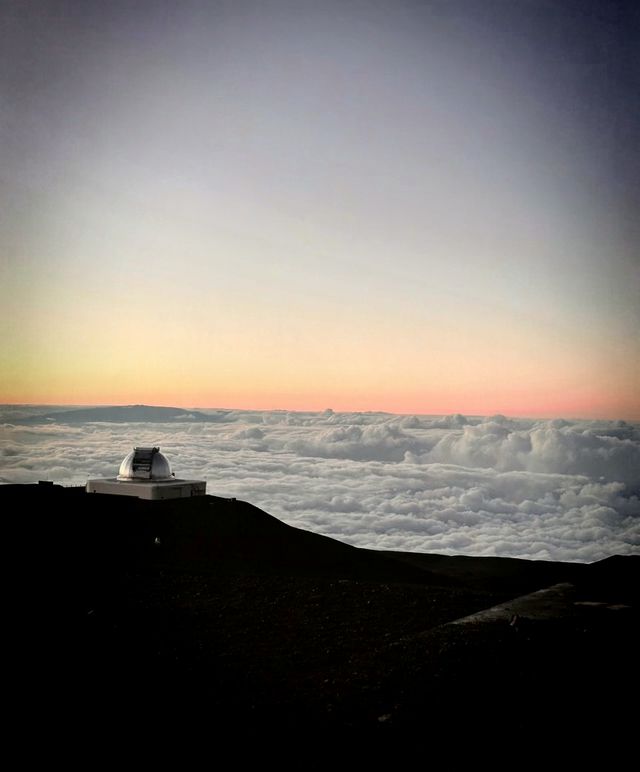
(146, 474)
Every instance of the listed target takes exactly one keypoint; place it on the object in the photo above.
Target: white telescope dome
(145, 464)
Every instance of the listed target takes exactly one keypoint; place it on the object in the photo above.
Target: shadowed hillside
(213, 606)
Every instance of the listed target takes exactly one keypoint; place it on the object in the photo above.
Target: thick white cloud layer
(484, 486)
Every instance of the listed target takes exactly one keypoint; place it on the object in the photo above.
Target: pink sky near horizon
(586, 406)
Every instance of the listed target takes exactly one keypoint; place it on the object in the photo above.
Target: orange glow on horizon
(586, 405)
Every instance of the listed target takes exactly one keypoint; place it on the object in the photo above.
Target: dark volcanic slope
(212, 607)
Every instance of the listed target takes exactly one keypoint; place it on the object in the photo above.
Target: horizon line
(547, 417)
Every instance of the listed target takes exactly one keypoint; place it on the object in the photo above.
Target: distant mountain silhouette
(124, 414)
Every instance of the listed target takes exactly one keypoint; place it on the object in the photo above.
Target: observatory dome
(145, 464)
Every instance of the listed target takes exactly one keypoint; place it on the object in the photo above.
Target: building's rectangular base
(154, 491)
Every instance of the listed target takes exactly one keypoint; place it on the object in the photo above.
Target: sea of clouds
(559, 490)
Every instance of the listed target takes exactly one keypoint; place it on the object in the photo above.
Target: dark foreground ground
(212, 611)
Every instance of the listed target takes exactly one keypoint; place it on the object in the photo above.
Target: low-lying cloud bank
(560, 490)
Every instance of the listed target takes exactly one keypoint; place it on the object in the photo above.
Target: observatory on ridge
(146, 474)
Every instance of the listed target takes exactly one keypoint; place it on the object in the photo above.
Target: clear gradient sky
(424, 207)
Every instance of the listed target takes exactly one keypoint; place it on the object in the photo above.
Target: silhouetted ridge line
(123, 414)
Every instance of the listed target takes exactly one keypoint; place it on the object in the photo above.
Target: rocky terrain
(211, 609)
